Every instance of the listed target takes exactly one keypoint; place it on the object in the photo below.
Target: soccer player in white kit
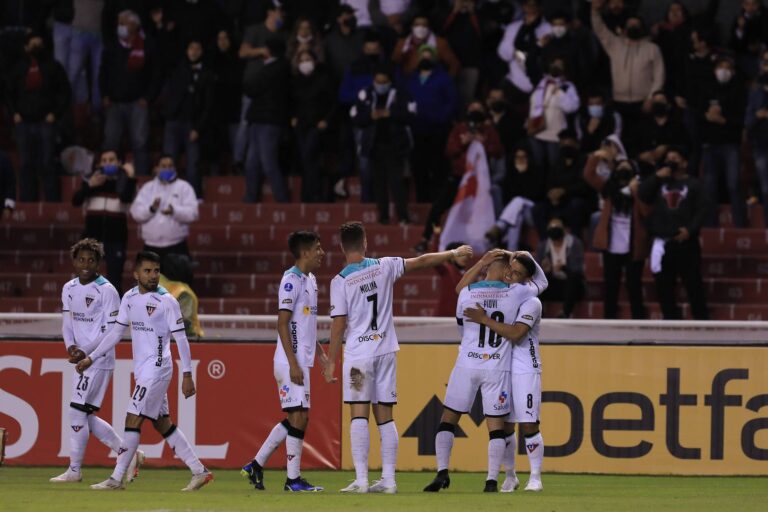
(483, 362)
(89, 305)
(361, 304)
(526, 385)
(154, 316)
(294, 356)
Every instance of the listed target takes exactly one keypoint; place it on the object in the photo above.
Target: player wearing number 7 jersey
(483, 363)
(361, 304)
(153, 316)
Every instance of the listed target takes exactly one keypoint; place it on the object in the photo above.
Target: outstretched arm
(470, 276)
(437, 258)
(512, 332)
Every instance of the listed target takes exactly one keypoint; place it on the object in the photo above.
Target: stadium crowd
(603, 131)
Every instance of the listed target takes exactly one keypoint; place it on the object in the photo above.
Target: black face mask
(476, 117)
(634, 32)
(673, 166)
(36, 52)
(624, 176)
(659, 109)
(555, 233)
(556, 71)
(499, 106)
(426, 65)
(350, 23)
(373, 57)
(569, 152)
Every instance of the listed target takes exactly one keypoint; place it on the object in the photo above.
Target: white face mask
(559, 31)
(304, 39)
(420, 32)
(723, 75)
(306, 67)
(122, 31)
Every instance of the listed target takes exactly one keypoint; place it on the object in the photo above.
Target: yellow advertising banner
(605, 409)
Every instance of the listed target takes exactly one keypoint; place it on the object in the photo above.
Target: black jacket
(732, 100)
(269, 90)
(7, 182)
(676, 204)
(312, 98)
(228, 69)
(107, 226)
(398, 136)
(190, 96)
(123, 86)
(53, 96)
(652, 134)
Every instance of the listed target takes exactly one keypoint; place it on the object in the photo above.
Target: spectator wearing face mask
(562, 258)
(475, 127)
(407, 56)
(305, 36)
(620, 234)
(462, 31)
(189, 112)
(384, 114)
(38, 96)
(567, 196)
(637, 67)
(130, 80)
(552, 101)
(165, 207)
(343, 44)
(721, 122)
(748, 35)
(312, 105)
(597, 121)
(520, 48)
(508, 119)
(756, 123)
(106, 195)
(673, 35)
(661, 129)
(434, 92)
(523, 188)
(679, 207)
(570, 46)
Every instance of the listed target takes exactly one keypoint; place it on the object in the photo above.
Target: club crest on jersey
(88, 301)
(151, 309)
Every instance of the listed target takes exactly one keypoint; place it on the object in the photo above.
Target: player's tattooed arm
(283, 320)
(338, 326)
(471, 275)
(512, 332)
(437, 258)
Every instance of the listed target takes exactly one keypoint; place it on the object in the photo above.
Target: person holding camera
(620, 233)
(680, 207)
(106, 194)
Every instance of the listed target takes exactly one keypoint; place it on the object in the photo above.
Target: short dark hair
(143, 256)
(111, 150)
(88, 244)
(676, 149)
(300, 241)
(454, 245)
(527, 263)
(352, 235)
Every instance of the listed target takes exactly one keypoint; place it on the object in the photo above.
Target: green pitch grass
(157, 489)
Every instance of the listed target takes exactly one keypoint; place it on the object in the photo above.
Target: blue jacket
(436, 100)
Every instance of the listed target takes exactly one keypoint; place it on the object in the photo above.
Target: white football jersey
(298, 294)
(153, 317)
(93, 310)
(364, 293)
(525, 354)
(481, 347)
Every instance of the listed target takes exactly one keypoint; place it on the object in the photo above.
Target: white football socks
(293, 447)
(443, 447)
(360, 443)
(509, 455)
(496, 446)
(275, 439)
(104, 432)
(389, 444)
(178, 441)
(78, 438)
(534, 445)
(125, 453)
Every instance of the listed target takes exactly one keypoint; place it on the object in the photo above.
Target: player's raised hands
(463, 252)
(476, 315)
(188, 385)
(84, 365)
(491, 256)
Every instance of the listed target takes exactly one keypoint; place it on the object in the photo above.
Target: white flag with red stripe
(471, 214)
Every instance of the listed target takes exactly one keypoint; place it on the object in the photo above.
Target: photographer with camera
(106, 195)
(620, 233)
(680, 207)
(476, 127)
